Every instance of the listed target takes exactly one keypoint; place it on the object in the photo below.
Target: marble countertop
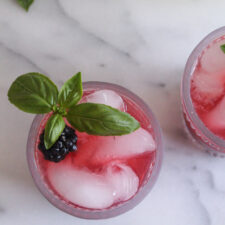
(140, 44)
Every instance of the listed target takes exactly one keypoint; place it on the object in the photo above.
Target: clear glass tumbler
(149, 179)
(197, 130)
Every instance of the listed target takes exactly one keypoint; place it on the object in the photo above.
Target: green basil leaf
(33, 93)
(103, 120)
(222, 47)
(53, 130)
(25, 3)
(71, 92)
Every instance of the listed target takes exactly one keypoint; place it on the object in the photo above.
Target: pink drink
(106, 176)
(203, 92)
(208, 87)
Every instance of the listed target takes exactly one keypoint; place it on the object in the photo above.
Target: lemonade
(106, 175)
(203, 92)
(208, 87)
(104, 171)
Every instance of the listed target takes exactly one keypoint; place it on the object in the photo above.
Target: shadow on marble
(14, 171)
(20, 178)
(2, 210)
(175, 130)
(164, 100)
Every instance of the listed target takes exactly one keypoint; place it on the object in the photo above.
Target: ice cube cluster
(95, 191)
(212, 59)
(116, 181)
(208, 85)
(209, 76)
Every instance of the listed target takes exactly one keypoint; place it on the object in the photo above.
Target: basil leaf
(53, 130)
(33, 93)
(71, 92)
(99, 119)
(25, 3)
(222, 47)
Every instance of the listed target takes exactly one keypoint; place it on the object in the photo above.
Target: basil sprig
(54, 127)
(71, 92)
(25, 3)
(36, 93)
(222, 47)
(33, 93)
(99, 119)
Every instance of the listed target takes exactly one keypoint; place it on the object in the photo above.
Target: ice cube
(213, 58)
(96, 191)
(117, 147)
(215, 119)
(94, 151)
(106, 97)
(80, 187)
(123, 180)
(207, 86)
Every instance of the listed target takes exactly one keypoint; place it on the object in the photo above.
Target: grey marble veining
(142, 45)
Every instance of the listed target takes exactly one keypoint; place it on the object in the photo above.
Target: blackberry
(65, 144)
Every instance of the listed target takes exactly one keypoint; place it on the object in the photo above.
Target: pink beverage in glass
(203, 93)
(106, 176)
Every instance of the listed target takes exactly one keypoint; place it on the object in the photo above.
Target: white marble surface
(140, 44)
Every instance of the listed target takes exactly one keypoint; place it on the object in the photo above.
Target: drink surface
(208, 87)
(104, 171)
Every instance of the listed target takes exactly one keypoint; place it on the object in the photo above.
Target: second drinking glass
(203, 93)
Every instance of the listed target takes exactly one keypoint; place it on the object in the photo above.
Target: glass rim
(108, 212)
(185, 89)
